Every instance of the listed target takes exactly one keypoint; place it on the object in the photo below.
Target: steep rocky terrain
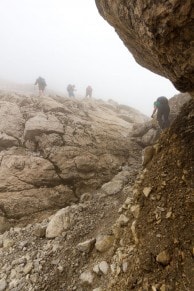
(132, 232)
(77, 209)
(54, 149)
(160, 36)
(57, 152)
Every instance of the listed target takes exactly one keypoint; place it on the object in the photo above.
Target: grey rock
(103, 266)
(86, 246)
(113, 187)
(104, 242)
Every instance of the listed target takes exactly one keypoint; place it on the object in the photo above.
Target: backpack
(162, 100)
(41, 81)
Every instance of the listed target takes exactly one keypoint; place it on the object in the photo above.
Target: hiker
(41, 85)
(88, 92)
(162, 107)
(70, 90)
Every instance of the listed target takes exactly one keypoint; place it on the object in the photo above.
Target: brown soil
(165, 220)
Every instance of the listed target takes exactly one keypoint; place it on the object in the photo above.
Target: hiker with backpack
(70, 90)
(41, 85)
(88, 92)
(163, 110)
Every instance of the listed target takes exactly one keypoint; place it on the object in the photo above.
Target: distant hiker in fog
(41, 85)
(70, 90)
(163, 110)
(88, 92)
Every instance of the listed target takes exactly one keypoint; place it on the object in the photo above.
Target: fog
(67, 41)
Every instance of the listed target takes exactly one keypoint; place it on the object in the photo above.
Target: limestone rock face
(158, 33)
(42, 124)
(54, 149)
(11, 119)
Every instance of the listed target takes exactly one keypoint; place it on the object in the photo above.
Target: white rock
(87, 277)
(96, 269)
(147, 191)
(113, 187)
(86, 246)
(125, 266)
(133, 230)
(149, 137)
(103, 266)
(168, 214)
(147, 155)
(60, 222)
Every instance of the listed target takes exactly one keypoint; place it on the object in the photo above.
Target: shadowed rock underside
(159, 34)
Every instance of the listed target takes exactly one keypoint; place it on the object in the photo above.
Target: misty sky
(67, 41)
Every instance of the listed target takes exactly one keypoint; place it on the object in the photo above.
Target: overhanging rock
(159, 34)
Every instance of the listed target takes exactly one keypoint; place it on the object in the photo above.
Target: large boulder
(42, 123)
(54, 149)
(158, 33)
(11, 119)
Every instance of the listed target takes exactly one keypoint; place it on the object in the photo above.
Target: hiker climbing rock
(88, 92)
(41, 85)
(70, 90)
(162, 107)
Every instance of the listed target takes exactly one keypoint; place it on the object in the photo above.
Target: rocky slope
(160, 36)
(133, 232)
(117, 231)
(158, 33)
(54, 149)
